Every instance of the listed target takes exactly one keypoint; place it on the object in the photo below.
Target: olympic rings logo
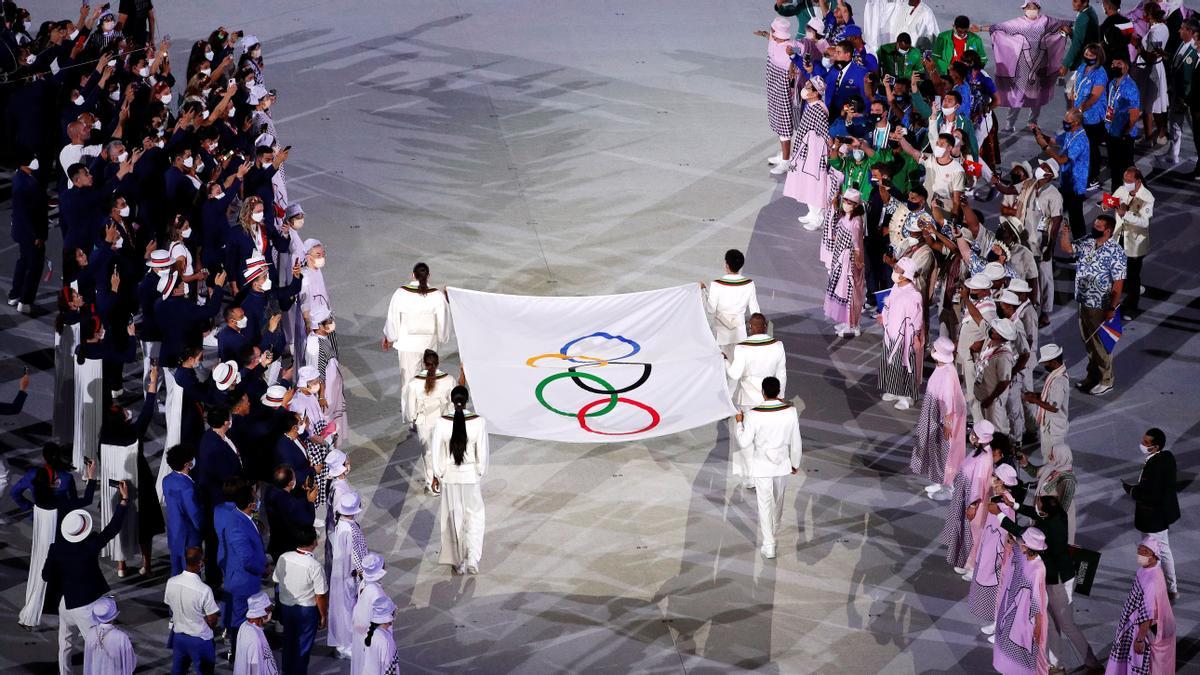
(585, 381)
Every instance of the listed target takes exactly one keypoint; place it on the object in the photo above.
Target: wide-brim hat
(273, 398)
(984, 431)
(781, 28)
(319, 315)
(104, 610)
(160, 258)
(852, 195)
(1019, 285)
(1026, 166)
(978, 282)
(994, 271)
(373, 567)
(383, 610)
(225, 375)
(1008, 298)
(76, 526)
(350, 504)
(1049, 352)
(307, 374)
(908, 268)
(1034, 539)
(943, 350)
(1006, 474)
(1005, 328)
(258, 605)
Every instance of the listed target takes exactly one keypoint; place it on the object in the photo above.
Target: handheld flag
(1110, 332)
(973, 168)
(881, 297)
(1109, 202)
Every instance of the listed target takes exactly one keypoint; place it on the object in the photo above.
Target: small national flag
(973, 168)
(1109, 202)
(881, 297)
(1126, 28)
(1110, 332)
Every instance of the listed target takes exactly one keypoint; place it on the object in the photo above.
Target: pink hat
(1006, 474)
(1152, 544)
(781, 28)
(1034, 539)
(984, 430)
(907, 268)
(817, 84)
(943, 350)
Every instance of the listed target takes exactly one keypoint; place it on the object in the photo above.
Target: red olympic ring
(582, 416)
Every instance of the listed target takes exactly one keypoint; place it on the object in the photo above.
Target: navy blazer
(182, 322)
(287, 514)
(74, 568)
(215, 462)
(30, 211)
(231, 343)
(287, 452)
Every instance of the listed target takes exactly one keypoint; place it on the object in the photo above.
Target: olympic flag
(599, 369)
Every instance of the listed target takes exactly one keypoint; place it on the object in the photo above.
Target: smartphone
(997, 499)
(890, 79)
(927, 55)
(114, 483)
(287, 148)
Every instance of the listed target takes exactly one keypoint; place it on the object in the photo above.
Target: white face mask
(1039, 173)
(34, 164)
(895, 277)
(124, 211)
(118, 243)
(318, 263)
(78, 100)
(232, 110)
(114, 95)
(332, 326)
(188, 162)
(128, 415)
(300, 429)
(826, 61)
(30, 59)
(165, 98)
(257, 216)
(1032, 14)
(144, 71)
(96, 125)
(185, 232)
(939, 151)
(242, 322)
(219, 195)
(1130, 187)
(1145, 449)
(160, 143)
(949, 110)
(298, 224)
(266, 285)
(208, 55)
(123, 156)
(1143, 560)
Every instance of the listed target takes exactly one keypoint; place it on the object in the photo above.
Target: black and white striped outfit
(780, 111)
(897, 375)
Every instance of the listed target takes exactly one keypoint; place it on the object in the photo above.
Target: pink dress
(934, 456)
(1020, 646)
(1147, 601)
(1026, 55)
(846, 290)
(808, 181)
(989, 567)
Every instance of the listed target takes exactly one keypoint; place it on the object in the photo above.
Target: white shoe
(342, 654)
(933, 488)
(853, 332)
(810, 226)
(960, 570)
(768, 552)
(942, 495)
(777, 158)
(904, 403)
(12, 302)
(472, 569)
(458, 569)
(780, 168)
(969, 575)
(1100, 389)
(989, 629)
(992, 639)
(841, 328)
(748, 484)
(24, 308)
(889, 397)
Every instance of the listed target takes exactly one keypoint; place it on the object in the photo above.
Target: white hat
(1049, 352)
(1006, 474)
(249, 41)
(258, 605)
(310, 244)
(984, 430)
(781, 28)
(319, 315)
(307, 374)
(943, 350)
(225, 375)
(907, 268)
(1025, 165)
(76, 526)
(350, 503)
(104, 610)
(852, 195)
(253, 272)
(382, 610)
(816, 24)
(1053, 164)
(167, 282)
(1008, 298)
(978, 282)
(335, 463)
(1005, 328)
(1034, 539)
(273, 398)
(373, 569)
(1019, 285)
(160, 258)
(994, 271)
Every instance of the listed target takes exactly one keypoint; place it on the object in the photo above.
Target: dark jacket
(74, 568)
(215, 462)
(1057, 556)
(287, 514)
(1156, 505)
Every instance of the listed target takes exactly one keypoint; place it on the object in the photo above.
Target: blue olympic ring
(634, 347)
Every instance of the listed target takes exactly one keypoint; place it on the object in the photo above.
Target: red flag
(1109, 202)
(973, 168)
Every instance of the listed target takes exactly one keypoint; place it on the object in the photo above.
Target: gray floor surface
(575, 148)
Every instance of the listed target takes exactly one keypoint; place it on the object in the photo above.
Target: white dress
(89, 408)
(120, 462)
(1152, 77)
(415, 322)
(253, 653)
(424, 410)
(174, 424)
(361, 620)
(462, 514)
(378, 656)
(107, 650)
(349, 548)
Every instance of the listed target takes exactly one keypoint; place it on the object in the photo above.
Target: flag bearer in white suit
(416, 320)
(426, 399)
(460, 458)
(107, 650)
(771, 435)
(253, 653)
(729, 300)
(757, 357)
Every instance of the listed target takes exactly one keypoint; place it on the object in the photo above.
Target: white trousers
(1046, 285)
(1175, 121)
(462, 521)
(770, 493)
(72, 623)
(425, 425)
(1166, 559)
(1016, 409)
(45, 525)
(411, 363)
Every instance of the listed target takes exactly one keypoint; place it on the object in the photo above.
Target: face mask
(114, 95)
(266, 285)
(1143, 560)
(124, 211)
(118, 243)
(160, 144)
(165, 98)
(219, 195)
(1032, 14)
(895, 277)
(902, 52)
(128, 415)
(1144, 449)
(123, 156)
(1096, 234)
(332, 326)
(242, 322)
(913, 206)
(949, 110)
(826, 61)
(992, 256)
(188, 162)
(298, 224)
(96, 125)
(1039, 173)
(30, 59)
(186, 232)
(318, 263)
(939, 151)
(206, 72)
(1066, 125)
(858, 155)
(257, 216)
(300, 429)
(34, 164)
(911, 241)
(78, 100)
(74, 34)
(1130, 187)
(232, 110)
(208, 55)
(1090, 62)
(144, 71)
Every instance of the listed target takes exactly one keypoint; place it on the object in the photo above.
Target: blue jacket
(214, 225)
(244, 560)
(231, 343)
(184, 518)
(853, 82)
(215, 462)
(29, 209)
(254, 304)
(82, 214)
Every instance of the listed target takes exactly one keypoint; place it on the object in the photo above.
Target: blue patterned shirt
(1122, 97)
(1084, 83)
(1096, 270)
(1075, 146)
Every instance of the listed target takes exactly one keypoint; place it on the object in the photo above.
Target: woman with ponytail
(426, 399)
(66, 339)
(416, 320)
(460, 458)
(379, 652)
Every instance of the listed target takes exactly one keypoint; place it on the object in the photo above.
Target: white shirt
(73, 154)
(425, 408)
(728, 301)
(416, 321)
(755, 358)
(190, 602)
(301, 578)
(253, 653)
(475, 460)
(770, 436)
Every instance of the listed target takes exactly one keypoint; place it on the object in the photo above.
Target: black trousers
(1096, 133)
(1120, 158)
(27, 272)
(1073, 204)
(1133, 285)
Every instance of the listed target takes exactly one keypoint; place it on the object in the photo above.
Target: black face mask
(1090, 62)
(875, 118)
(915, 206)
(1015, 177)
(992, 256)
(1096, 234)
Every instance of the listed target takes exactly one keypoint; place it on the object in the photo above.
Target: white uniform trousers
(1016, 409)
(411, 363)
(45, 525)
(1046, 285)
(462, 524)
(770, 492)
(1166, 559)
(150, 351)
(72, 623)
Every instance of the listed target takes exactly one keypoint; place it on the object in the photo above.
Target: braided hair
(431, 365)
(370, 633)
(421, 274)
(458, 437)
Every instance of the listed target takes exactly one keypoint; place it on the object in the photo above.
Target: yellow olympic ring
(532, 361)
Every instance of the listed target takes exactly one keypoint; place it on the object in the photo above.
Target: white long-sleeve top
(755, 358)
(253, 655)
(475, 460)
(423, 407)
(770, 435)
(416, 321)
(728, 301)
(1134, 226)
(107, 651)
(378, 656)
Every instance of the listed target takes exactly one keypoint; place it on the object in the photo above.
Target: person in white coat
(914, 18)
(757, 357)
(426, 399)
(107, 650)
(417, 319)
(379, 646)
(369, 590)
(460, 459)
(253, 655)
(771, 435)
(729, 300)
(349, 549)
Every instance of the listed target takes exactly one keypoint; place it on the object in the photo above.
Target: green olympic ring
(612, 396)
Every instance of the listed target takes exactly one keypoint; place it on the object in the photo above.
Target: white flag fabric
(599, 369)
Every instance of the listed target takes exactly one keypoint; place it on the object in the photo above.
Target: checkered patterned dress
(1133, 613)
(956, 532)
(932, 447)
(780, 111)
(1006, 617)
(989, 567)
(316, 451)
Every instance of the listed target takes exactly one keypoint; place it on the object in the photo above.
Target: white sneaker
(810, 226)
(970, 574)
(933, 488)
(852, 332)
(1100, 389)
(768, 552)
(889, 397)
(12, 302)
(775, 159)
(992, 639)
(24, 308)
(904, 403)
(989, 629)
(960, 570)
(841, 328)
(472, 569)
(942, 495)
(780, 168)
